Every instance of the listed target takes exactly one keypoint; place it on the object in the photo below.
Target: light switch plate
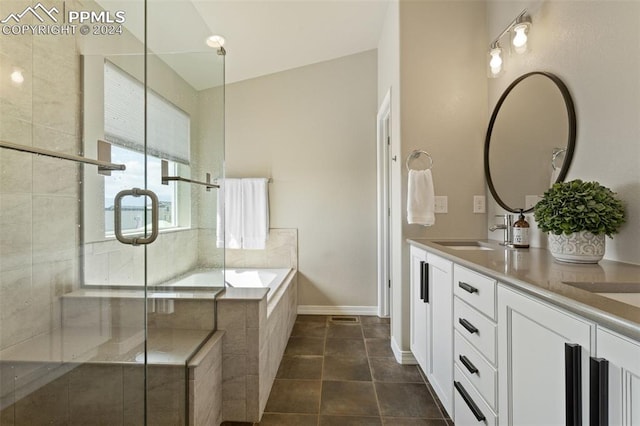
(441, 202)
(479, 204)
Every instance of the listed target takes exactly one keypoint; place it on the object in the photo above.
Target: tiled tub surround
(256, 334)
(105, 386)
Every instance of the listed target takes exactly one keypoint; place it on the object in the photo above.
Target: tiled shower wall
(38, 196)
(40, 252)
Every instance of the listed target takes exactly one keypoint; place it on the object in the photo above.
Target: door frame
(384, 205)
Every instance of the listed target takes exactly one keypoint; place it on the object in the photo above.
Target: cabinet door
(440, 338)
(622, 356)
(543, 362)
(419, 307)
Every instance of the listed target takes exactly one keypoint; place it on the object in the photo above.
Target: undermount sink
(625, 292)
(465, 245)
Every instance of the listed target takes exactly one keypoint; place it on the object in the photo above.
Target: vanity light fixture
(519, 34)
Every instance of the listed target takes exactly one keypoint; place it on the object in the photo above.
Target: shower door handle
(135, 240)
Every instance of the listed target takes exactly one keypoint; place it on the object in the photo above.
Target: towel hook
(415, 154)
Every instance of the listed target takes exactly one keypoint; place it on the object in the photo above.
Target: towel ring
(415, 154)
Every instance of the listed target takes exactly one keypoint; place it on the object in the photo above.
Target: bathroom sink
(625, 292)
(465, 245)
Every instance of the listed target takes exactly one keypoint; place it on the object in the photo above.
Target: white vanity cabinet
(475, 336)
(431, 321)
(543, 362)
(615, 380)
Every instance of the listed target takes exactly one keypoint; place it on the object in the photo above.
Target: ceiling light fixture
(215, 41)
(519, 29)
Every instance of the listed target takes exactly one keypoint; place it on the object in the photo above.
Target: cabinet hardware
(467, 399)
(598, 392)
(573, 384)
(467, 325)
(465, 361)
(425, 282)
(422, 262)
(469, 288)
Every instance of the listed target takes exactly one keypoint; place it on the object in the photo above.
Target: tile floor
(344, 374)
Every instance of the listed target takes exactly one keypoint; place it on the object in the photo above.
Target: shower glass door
(91, 329)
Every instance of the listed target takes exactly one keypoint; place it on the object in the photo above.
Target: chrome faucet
(507, 225)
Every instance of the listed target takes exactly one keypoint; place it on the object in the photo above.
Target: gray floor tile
(304, 346)
(345, 347)
(312, 318)
(309, 329)
(270, 419)
(379, 347)
(376, 330)
(388, 370)
(344, 331)
(349, 421)
(409, 421)
(345, 368)
(348, 398)
(300, 367)
(294, 396)
(406, 400)
(366, 320)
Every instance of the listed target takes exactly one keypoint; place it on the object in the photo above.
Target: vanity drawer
(470, 408)
(475, 289)
(476, 369)
(476, 328)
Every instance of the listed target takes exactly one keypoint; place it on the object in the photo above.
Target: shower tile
(55, 225)
(133, 394)
(15, 291)
(96, 394)
(232, 315)
(15, 231)
(47, 405)
(52, 176)
(15, 171)
(166, 396)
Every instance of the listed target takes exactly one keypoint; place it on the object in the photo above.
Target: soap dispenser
(521, 232)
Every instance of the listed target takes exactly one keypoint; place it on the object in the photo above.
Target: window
(168, 137)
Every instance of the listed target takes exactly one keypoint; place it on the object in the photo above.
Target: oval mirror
(530, 139)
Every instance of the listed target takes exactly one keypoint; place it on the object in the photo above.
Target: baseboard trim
(402, 357)
(337, 310)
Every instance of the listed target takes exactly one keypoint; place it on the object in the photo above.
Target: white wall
(439, 79)
(312, 130)
(594, 47)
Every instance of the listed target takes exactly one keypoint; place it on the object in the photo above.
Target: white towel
(229, 218)
(421, 198)
(255, 213)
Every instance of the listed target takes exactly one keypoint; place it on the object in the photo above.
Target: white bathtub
(236, 278)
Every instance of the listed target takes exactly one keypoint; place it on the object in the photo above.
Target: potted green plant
(577, 215)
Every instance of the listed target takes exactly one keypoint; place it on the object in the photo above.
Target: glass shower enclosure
(111, 144)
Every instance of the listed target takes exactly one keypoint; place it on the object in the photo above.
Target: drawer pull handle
(467, 325)
(465, 361)
(466, 287)
(472, 405)
(573, 384)
(598, 391)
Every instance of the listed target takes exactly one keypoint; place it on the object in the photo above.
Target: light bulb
(520, 37)
(496, 61)
(215, 41)
(17, 77)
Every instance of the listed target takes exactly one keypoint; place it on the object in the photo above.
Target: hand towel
(421, 198)
(255, 213)
(229, 214)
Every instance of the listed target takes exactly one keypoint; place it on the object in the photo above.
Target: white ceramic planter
(579, 247)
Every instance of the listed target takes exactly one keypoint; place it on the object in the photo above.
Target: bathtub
(235, 278)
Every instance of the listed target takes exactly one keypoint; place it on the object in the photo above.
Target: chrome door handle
(136, 240)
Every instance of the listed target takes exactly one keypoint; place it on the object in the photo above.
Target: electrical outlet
(479, 204)
(441, 202)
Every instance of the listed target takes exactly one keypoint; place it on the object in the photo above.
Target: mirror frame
(571, 116)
